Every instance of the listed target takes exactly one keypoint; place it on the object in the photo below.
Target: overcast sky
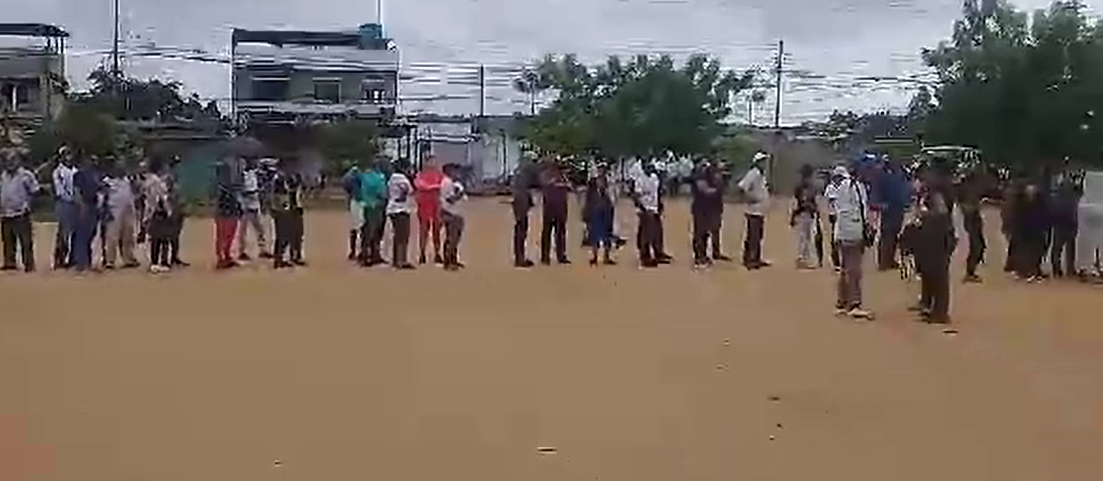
(835, 40)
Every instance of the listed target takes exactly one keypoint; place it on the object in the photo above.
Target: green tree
(347, 143)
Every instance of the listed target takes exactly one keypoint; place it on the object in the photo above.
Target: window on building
(270, 89)
(374, 90)
(327, 90)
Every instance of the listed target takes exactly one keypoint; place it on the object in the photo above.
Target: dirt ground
(335, 372)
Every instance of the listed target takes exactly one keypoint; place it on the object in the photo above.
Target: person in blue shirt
(88, 184)
(892, 195)
(373, 197)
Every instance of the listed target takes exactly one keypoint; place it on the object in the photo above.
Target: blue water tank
(371, 31)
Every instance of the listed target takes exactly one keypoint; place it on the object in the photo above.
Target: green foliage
(1023, 90)
(647, 106)
(127, 98)
(348, 143)
(85, 129)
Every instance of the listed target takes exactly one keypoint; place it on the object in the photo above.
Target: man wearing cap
(65, 207)
(17, 189)
(757, 194)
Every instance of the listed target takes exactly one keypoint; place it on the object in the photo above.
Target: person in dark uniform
(1031, 228)
(556, 189)
(934, 244)
(1066, 213)
(177, 214)
(969, 202)
(707, 212)
(598, 215)
(287, 214)
(522, 204)
(1007, 223)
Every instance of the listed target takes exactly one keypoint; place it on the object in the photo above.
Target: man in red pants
(228, 212)
(427, 186)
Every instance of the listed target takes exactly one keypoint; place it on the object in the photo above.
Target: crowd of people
(905, 215)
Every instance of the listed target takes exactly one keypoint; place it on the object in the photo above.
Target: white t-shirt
(758, 194)
(400, 195)
(250, 190)
(647, 191)
(831, 193)
(120, 194)
(452, 196)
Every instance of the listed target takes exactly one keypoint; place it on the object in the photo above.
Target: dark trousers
(647, 237)
(372, 236)
(706, 232)
(17, 233)
(84, 232)
(400, 239)
(289, 234)
(176, 228)
(1028, 253)
(1064, 242)
(891, 223)
(453, 232)
(660, 236)
(974, 228)
(554, 228)
(66, 213)
(835, 261)
(160, 231)
(520, 234)
(752, 243)
(935, 286)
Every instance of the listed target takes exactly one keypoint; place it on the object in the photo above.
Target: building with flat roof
(307, 77)
(32, 76)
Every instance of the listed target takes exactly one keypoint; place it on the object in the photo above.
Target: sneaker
(564, 261)
(859, 313)
(158, 269)
(524, 264)
(841, 312)
(298, 262)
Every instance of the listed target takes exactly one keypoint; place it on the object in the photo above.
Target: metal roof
(32, 30)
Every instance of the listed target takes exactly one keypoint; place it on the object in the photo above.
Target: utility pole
(777, 82)
(482, 90)
(116, 71)
(379, 12)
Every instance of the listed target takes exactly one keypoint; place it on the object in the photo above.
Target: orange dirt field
(562, 373)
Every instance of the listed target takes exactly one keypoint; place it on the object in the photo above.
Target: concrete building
(32, 76)
(306, 77)
(488, 146)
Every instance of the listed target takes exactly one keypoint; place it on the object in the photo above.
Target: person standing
(287, 215)
(853, 234)
(452, 197)
(556, 190)
(121, 218)
(252, 217)
(400, 207)
(351, 184)
(1031, 227)
(1066, 226)
(65, 207)
(706, 211)
(177, 214)
(427, 187)
(158, 217)
(893, 197)
(373, 196)
(521, 190)
(803, 218)
(18, 187)
(597, 213)
(934, 247)
(88, 185)
(969, 203)
(645, 194)
(757, 194)
(227, 214)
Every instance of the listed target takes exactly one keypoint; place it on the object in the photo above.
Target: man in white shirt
(252, 217)
(121, 218)
(645, 194)
(17, 189)
(452, 197)
(852, 209)
(400, 206)
(757, 194)
(65, 207)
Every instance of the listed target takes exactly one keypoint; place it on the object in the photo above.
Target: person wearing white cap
(757, 194)
(853, 235)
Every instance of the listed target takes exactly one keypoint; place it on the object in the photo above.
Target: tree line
(1025, 88)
